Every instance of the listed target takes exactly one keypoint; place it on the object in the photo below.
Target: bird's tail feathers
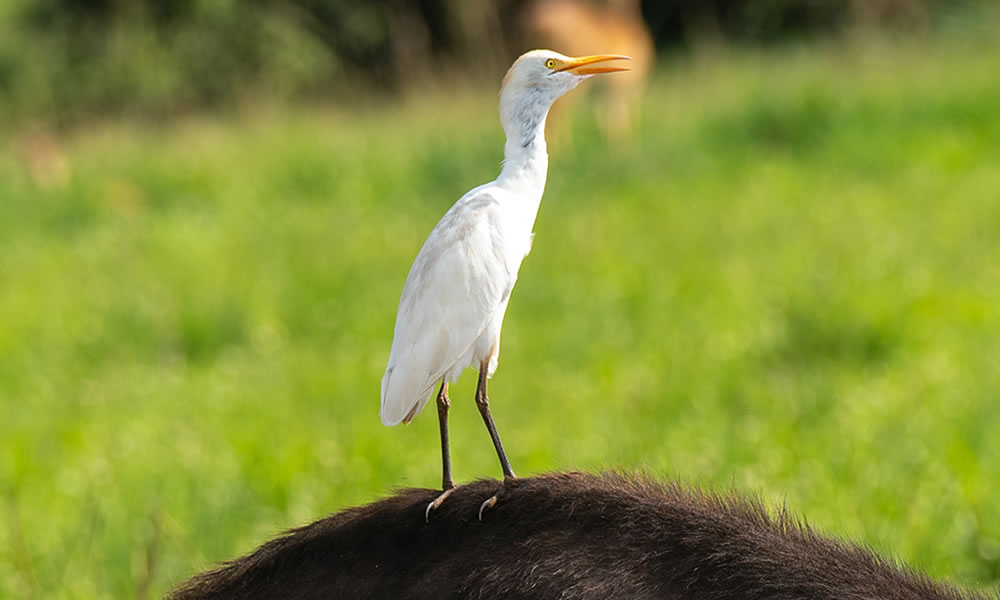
(399, 406)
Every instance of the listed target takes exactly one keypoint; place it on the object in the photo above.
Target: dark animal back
(568, 536)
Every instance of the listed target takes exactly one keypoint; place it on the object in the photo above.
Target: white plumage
(456, 294)
(455, 297)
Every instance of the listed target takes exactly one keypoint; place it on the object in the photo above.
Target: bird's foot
(437, 502)
(492, 500)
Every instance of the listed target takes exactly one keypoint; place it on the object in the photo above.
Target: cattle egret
(455, 296)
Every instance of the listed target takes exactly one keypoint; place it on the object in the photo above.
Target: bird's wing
(458, 280)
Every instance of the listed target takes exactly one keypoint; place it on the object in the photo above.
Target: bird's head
(540, 77)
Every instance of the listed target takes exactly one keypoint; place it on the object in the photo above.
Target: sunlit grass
(789, 283)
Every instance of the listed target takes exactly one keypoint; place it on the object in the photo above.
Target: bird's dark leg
(484, 409)
(483, 402)
(443, 404)
(447, 483)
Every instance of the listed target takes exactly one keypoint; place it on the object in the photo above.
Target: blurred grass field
(789, 284)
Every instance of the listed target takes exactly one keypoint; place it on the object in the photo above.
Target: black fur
(569, 536)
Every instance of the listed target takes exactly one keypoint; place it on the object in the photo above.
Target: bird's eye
(551, 63)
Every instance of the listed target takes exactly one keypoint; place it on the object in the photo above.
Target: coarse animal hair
(569, 536)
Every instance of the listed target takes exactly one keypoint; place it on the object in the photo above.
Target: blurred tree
(63, 58)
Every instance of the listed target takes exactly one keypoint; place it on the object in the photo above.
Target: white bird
(455, 296)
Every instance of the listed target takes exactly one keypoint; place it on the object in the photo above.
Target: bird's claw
(436, 503)
(492, 500)
(489, 503)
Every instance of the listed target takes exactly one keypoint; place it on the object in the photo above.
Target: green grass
(789, 284)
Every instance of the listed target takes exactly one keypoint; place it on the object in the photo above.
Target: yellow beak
(580, 65)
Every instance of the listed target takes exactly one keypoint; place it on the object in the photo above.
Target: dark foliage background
(62, 59)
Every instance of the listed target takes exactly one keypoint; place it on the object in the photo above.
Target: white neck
(526, 159)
